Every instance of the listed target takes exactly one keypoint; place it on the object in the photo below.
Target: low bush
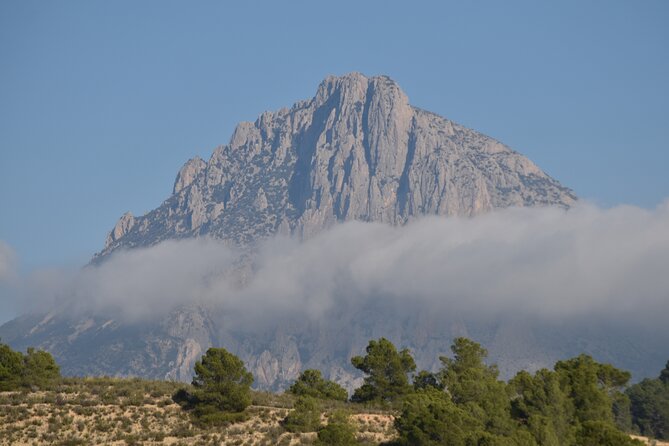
(306, 417)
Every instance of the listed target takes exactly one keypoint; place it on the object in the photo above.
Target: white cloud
(544, 262)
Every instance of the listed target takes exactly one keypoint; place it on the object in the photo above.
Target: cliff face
(356, 151)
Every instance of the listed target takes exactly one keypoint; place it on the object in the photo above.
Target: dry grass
(650, 442)
(133, 412)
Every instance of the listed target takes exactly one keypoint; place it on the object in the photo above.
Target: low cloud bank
(546, 263)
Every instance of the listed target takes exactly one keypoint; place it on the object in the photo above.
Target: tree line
(579, 402)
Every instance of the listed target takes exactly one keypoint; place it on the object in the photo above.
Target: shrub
(338, 432)
(35, 369)
(39, 369)
(11, 368)
(311, 383)
(305, 418)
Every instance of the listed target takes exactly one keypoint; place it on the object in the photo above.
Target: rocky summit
(357, 150)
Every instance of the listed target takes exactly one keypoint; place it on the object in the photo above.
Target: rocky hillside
(356, 151)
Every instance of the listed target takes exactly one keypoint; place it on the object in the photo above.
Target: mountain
(357, 150)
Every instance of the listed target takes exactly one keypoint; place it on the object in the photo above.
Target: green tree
(306, 416)
(39, 369)
(11, 368)
(429, 418)
(474, 386)
(539, 403)
(222, 388)
(338, 432)
(649, 403)
(387, 372)
(311, 383)
(591, 386)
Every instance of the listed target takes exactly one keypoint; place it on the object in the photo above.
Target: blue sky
(102, 102)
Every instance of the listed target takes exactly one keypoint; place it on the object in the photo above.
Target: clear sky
(102, 102)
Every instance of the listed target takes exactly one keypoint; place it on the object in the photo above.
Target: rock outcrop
(122, 227)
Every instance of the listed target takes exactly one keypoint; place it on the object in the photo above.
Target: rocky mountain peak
(355, 88)
(356, 151)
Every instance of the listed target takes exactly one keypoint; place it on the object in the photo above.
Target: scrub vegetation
(577, 403)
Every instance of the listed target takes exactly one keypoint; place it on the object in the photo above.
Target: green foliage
(430, 418)
(35, 369)
(222, 381)
(466, 404)
(664, 374)
(311, 383)
(601, 433)
(591, 387)
(474, 386)
(649, 404)
(11, 368)
(540, 403)
(473, 408)
(40, 369)
(222, 389)
(386, 370)
(425, 379)
(211, 415)
(306, 417)
(622, 412)
(543, 431)
(580, 403)
(338, 432)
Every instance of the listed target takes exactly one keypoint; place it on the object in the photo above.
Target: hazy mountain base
(278, 347)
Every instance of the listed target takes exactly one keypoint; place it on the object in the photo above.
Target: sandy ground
(650, 442)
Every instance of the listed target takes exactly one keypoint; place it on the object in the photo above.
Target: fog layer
(546, 263)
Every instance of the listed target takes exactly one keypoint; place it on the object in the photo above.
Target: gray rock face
(356, 151)
(122, 227)
(188, 173)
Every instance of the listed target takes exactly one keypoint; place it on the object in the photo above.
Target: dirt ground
(86, 415)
